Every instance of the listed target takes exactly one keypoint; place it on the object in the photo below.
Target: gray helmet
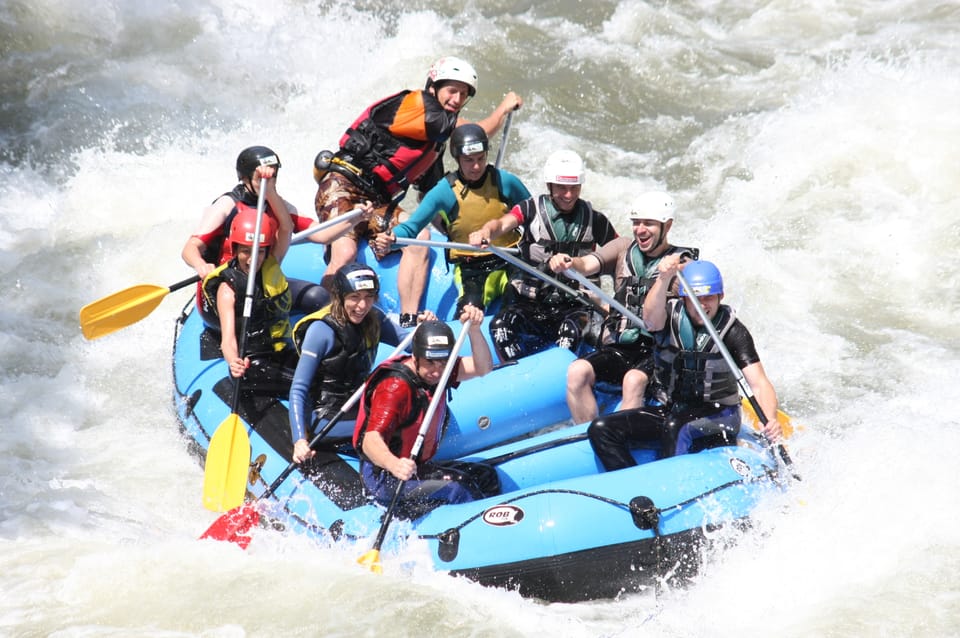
(468, 139)
(252, 157)
(433, 340)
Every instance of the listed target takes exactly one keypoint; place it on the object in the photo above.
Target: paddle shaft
(248, 296)
(300, 237)
(422, 432)
(332, 422)
(595, 289)
(412, 241)
(734, 368)
(522, 265)
(503, 140)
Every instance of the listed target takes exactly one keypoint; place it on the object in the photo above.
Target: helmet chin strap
(249, 196)
(661, 241)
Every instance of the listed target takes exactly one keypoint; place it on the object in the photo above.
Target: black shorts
(611, 362)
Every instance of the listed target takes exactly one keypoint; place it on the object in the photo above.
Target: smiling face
(650, 235)
(357, 305)
(564, 196)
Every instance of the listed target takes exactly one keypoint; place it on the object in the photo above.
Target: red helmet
(245, 224)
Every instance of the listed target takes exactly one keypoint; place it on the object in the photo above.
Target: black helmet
(356, 277)
(468, 139)
(433, 340)
(250, 158)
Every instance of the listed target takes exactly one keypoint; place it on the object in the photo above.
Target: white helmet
(451, 68)
(563, 167)
(654, 205)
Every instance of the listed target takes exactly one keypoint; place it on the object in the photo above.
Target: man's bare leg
(412, 275)
(343, 251)
(580, 398)
(634, 387)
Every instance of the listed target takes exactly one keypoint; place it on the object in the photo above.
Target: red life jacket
(393, 381)
(396, 141)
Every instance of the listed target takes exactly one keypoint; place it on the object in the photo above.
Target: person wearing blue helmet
(697, 391)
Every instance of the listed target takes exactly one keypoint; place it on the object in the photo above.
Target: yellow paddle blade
(371, 560)
(228, 464)
(120, 309)
(785, 424)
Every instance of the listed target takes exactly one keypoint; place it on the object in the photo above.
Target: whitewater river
(812, 147)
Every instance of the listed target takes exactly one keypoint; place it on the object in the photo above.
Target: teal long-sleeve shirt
(442, 199)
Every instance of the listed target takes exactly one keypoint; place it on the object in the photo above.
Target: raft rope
(602, 499)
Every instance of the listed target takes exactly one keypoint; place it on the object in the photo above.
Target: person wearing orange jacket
(396, 143)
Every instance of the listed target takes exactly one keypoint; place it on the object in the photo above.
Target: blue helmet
(704, 278)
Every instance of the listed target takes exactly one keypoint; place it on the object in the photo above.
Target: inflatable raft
(561, 530)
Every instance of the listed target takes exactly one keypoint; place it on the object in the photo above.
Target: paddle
(503, 140)
(228, 455)
(604, 297)
(734, 368)
(502, 253)
(371, 559)
(235, 525)
(121, 309)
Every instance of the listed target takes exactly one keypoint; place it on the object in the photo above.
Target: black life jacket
(690, 367)
(268, 327)
(344, 367)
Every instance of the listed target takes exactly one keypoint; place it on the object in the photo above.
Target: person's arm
(439, 199)
(493, 122)
(480, 361)
(280, 211)
(496, 227)
(211, 221)
(317, 342)
(599, 261)
(390, 402)
(226, 299)
(586, 265)
(655, 303)
(766, 396)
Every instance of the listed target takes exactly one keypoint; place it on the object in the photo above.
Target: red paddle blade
(235, 526)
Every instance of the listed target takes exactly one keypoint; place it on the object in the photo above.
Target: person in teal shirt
(461, 203)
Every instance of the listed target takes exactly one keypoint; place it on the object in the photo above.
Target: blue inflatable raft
(561, 530)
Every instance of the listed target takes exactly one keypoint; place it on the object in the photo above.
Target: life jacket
(268, 328)
(689, 364)
(640, 274)
(476, 205)
(548, 234)
(405, 435)
(342, 370)
(394, 143)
